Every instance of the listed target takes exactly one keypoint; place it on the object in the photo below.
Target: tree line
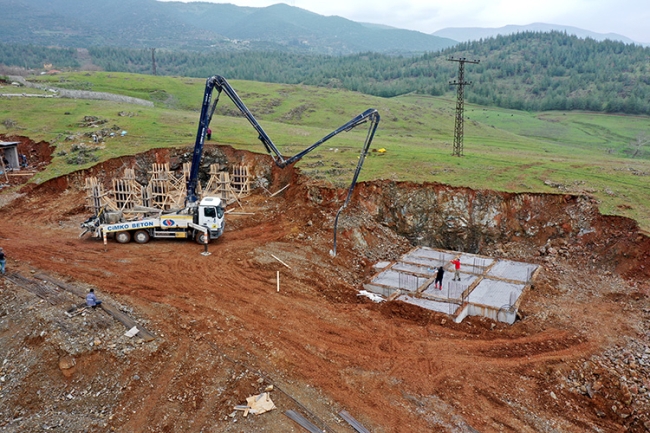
(531, 71)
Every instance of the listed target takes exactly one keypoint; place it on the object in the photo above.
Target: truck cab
(211, 216)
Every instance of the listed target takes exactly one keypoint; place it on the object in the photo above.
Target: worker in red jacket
(456, 263)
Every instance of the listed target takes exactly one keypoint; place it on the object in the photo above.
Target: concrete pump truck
(203, 220)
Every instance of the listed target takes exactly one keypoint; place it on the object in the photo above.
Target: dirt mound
(578, 360)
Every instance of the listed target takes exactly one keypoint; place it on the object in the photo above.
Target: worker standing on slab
(456, 263)
(3, 261)
(439, 275)
(91, 299)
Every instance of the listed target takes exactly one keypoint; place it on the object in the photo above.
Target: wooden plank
(280, 261)
(303, 422)
(118, 315)
(279, 191)
(353, 422)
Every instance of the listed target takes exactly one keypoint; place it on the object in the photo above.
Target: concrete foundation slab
(510, 270)
(488, 286)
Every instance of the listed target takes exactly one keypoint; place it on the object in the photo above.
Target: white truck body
(203, 223)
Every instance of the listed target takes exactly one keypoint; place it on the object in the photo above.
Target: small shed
(9, 150)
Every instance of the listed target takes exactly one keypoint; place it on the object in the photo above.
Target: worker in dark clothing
(3, 261)
(91, 299)
(438, 282)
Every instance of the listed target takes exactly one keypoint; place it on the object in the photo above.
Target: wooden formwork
(166, 190)
(228, 188)
(95, 196)
(97, 199)
(219, 183)
(124, 195)
(240, 180)
(127, 192)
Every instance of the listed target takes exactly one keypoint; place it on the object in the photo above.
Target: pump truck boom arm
(207, 110)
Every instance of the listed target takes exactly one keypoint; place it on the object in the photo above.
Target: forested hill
(200, 26)
(553, 71)
(526, 71)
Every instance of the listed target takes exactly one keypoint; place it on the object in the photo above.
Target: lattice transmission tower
(460, 103)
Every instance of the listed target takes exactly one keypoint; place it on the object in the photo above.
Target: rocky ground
(578, 360)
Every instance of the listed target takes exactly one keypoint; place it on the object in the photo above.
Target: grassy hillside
(508, 150)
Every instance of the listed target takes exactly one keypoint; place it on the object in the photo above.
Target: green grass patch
(504, 150)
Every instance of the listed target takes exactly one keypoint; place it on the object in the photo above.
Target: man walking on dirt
(3, 261)
(456, 263)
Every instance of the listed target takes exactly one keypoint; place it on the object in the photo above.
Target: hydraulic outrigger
(207, 110)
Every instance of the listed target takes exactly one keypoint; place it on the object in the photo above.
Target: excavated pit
(225, 330)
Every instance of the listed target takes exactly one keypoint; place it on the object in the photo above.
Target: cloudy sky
(629, 18)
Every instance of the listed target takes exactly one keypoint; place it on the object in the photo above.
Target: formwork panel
(440, 307)
(474, 263)
(501, 315)
(451, 289)
(465, 277)
(416, 269)
(424, 261)
(429, 253)
(388, 277)
(516, 271)
(496, 294)
(380, 290)
(381, 265)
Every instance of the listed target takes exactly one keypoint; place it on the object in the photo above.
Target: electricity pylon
(460, 103)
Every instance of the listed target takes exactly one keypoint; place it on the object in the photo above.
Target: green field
(506, 150)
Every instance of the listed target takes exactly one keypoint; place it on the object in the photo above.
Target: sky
(629, 18)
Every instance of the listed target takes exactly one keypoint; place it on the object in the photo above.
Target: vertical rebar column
(460, 103)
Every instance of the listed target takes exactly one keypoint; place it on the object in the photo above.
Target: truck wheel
(201, 238)
(141, 236)
(123, 237)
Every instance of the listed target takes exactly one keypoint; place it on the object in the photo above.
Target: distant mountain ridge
(466, 34)
(200, 26)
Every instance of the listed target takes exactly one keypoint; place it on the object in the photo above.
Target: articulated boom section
(221, 84)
